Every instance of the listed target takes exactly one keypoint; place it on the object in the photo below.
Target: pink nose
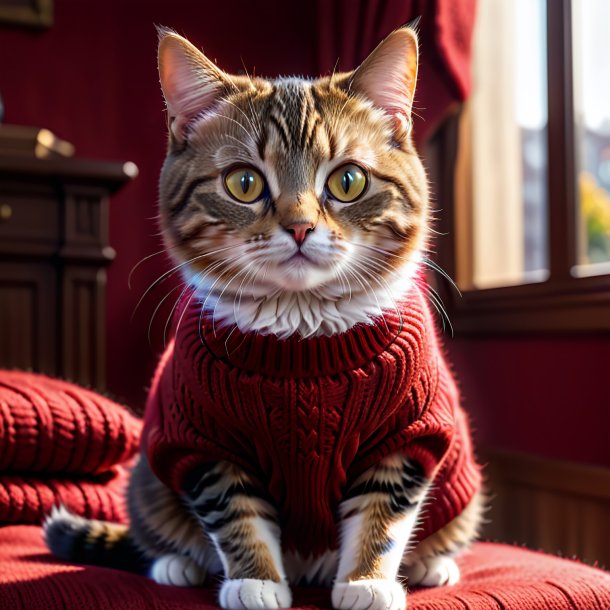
(300, 231)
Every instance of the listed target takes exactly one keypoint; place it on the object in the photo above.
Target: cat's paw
(432, 572)
(177, 570)
(370, 594)
(252, 594)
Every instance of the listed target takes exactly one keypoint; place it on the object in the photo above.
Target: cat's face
(290, 185)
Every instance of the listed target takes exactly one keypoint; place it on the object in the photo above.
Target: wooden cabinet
(54, 250)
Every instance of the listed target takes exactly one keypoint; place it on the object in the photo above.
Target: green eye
(347, 183)
(244, 184)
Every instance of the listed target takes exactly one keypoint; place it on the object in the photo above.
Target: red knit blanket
(61, 443)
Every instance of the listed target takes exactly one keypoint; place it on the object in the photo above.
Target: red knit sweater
(307, 416)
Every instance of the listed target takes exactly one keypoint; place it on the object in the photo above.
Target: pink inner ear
(388, 75)
(189, 88)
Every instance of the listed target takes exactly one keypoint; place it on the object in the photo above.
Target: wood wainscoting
(558, 507)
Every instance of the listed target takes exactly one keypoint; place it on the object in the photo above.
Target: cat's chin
(299, 275)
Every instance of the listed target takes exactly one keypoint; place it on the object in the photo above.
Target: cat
(302, 426)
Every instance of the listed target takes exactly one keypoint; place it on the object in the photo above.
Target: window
(506, 123)
(530, 219)
(591, 43)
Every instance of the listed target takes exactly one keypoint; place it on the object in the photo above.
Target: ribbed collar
(296, 357)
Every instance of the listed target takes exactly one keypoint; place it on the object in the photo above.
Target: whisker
(425, 260)
(180, 296)
(243, 63)
(228, 262)
(440, 315)
(156, 310)
(210, 291)
(240, 142)
(239, 272)
(360, 265)
(195, 287)
(383, 251)
(438, 299)
(239, 155)
(143, 260)
(188, 303)
(246, 279)
(435, 299)
(174, 269)
(227, 340)
(345, 285)
(432, 294)
(254, 273)
(436, 267)
(334, 70)
(255, 129)
(381, 266)
(239, 293)
(228, 118)
(200, 280)
(357, 278)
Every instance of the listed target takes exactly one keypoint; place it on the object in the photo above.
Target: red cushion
(493, 576)
(28, 499)
(61, 443)
(53, 426)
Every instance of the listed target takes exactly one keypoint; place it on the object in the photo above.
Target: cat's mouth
(302, 272)
(299, 258)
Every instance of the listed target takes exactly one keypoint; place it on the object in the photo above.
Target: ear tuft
(191, 83)
(163, 31)
(388, 75)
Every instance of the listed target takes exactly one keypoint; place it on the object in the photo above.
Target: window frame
(563, 302)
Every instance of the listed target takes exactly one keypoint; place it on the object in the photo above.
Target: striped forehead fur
(241, 260)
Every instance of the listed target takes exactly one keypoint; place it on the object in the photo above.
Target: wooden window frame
(563, 302)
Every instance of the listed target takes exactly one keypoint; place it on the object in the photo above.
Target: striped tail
(74, 539)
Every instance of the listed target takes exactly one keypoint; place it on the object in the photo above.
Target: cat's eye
(347, 183)
(245, 184)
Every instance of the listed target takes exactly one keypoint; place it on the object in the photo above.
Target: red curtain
(348, 30)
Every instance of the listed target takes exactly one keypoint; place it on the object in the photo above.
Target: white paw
(433, 572)
(177, 570)
(372, 594)
(252, 594)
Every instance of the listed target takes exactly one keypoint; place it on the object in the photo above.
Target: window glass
(591, 43)
(508, 143)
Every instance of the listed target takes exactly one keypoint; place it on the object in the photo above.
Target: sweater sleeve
(423, 428)
(174, 443)
(439, 440)
(428, 440)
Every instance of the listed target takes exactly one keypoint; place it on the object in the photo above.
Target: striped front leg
(244, 530)
(378, 516)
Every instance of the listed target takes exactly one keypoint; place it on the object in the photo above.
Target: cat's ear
(387, 76)
(191, 83)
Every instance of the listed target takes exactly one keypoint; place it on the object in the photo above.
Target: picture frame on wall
(27, 13)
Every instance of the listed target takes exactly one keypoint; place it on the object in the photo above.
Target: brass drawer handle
(6, 211)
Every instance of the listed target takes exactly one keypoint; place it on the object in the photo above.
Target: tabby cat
(336, 453)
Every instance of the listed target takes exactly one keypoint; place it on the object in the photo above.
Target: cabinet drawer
(28, 219)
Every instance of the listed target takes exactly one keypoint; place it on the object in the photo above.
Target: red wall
(92, 80)
(545, 396)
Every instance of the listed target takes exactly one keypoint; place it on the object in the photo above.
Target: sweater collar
(296, 357)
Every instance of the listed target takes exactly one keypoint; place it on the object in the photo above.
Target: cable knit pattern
(307, 416)
(53, 426)
(61, 443)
